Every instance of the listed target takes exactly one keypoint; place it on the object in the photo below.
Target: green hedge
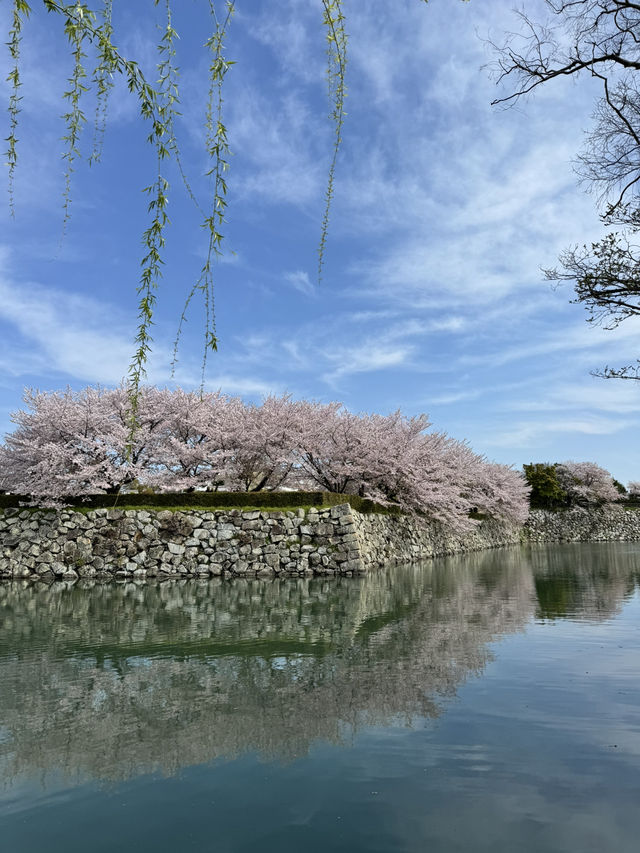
(220, 500)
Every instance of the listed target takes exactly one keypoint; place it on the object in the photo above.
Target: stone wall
(135, 543)
(338, 540)
(390, 538)
(603, 524)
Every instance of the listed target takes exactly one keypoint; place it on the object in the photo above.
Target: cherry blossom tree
(502, 492)
(74, 443)
(394, 460)
(634, 489)
(77, 442)
(326, 458)
(195, 440)
(586, 483)
(61, 446)
(263, 438)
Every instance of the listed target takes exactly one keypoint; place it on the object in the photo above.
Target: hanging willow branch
(20, 9)
(75, 118)
(162, 137)
(336, 36)
(217, 148)
(86, 28)
(158, 105)
(103, 80)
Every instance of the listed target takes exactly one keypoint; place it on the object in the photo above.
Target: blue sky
(445, 210)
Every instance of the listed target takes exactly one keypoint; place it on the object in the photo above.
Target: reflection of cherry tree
(110, 681)
(77, 443)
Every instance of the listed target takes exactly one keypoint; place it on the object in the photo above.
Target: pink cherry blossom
(74, 443)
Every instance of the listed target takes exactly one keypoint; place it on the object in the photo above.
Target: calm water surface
(485, 703)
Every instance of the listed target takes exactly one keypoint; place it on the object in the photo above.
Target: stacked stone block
(140, 544)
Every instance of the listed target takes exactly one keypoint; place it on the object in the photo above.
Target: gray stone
(201, 534)
(340, 510)
(114, 544)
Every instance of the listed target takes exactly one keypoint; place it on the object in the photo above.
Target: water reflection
(110, 681)
(584, 582)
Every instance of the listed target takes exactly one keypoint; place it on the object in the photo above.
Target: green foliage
(620, 487)
(158, 106)
(85, 28)
(141, 488)
(214, 500)
(546, 491)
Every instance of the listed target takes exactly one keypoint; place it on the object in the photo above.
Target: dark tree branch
(602, 39)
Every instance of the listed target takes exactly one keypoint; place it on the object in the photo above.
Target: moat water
(481, 703)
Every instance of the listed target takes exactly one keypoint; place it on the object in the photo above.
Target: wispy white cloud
(455, 397)
(466, 202)
(528, 433)
(574, 338)
(292, 37)
(598, 394)
(274, 150)
(300, 280)
(59, 332)
(366, 358)
(242, 386)
(63, 336)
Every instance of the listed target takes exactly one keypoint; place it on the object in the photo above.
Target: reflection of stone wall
(603, 524)
(111, 680)
(140, 544)
(108, 681)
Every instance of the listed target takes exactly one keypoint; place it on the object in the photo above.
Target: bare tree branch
(600, 38)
